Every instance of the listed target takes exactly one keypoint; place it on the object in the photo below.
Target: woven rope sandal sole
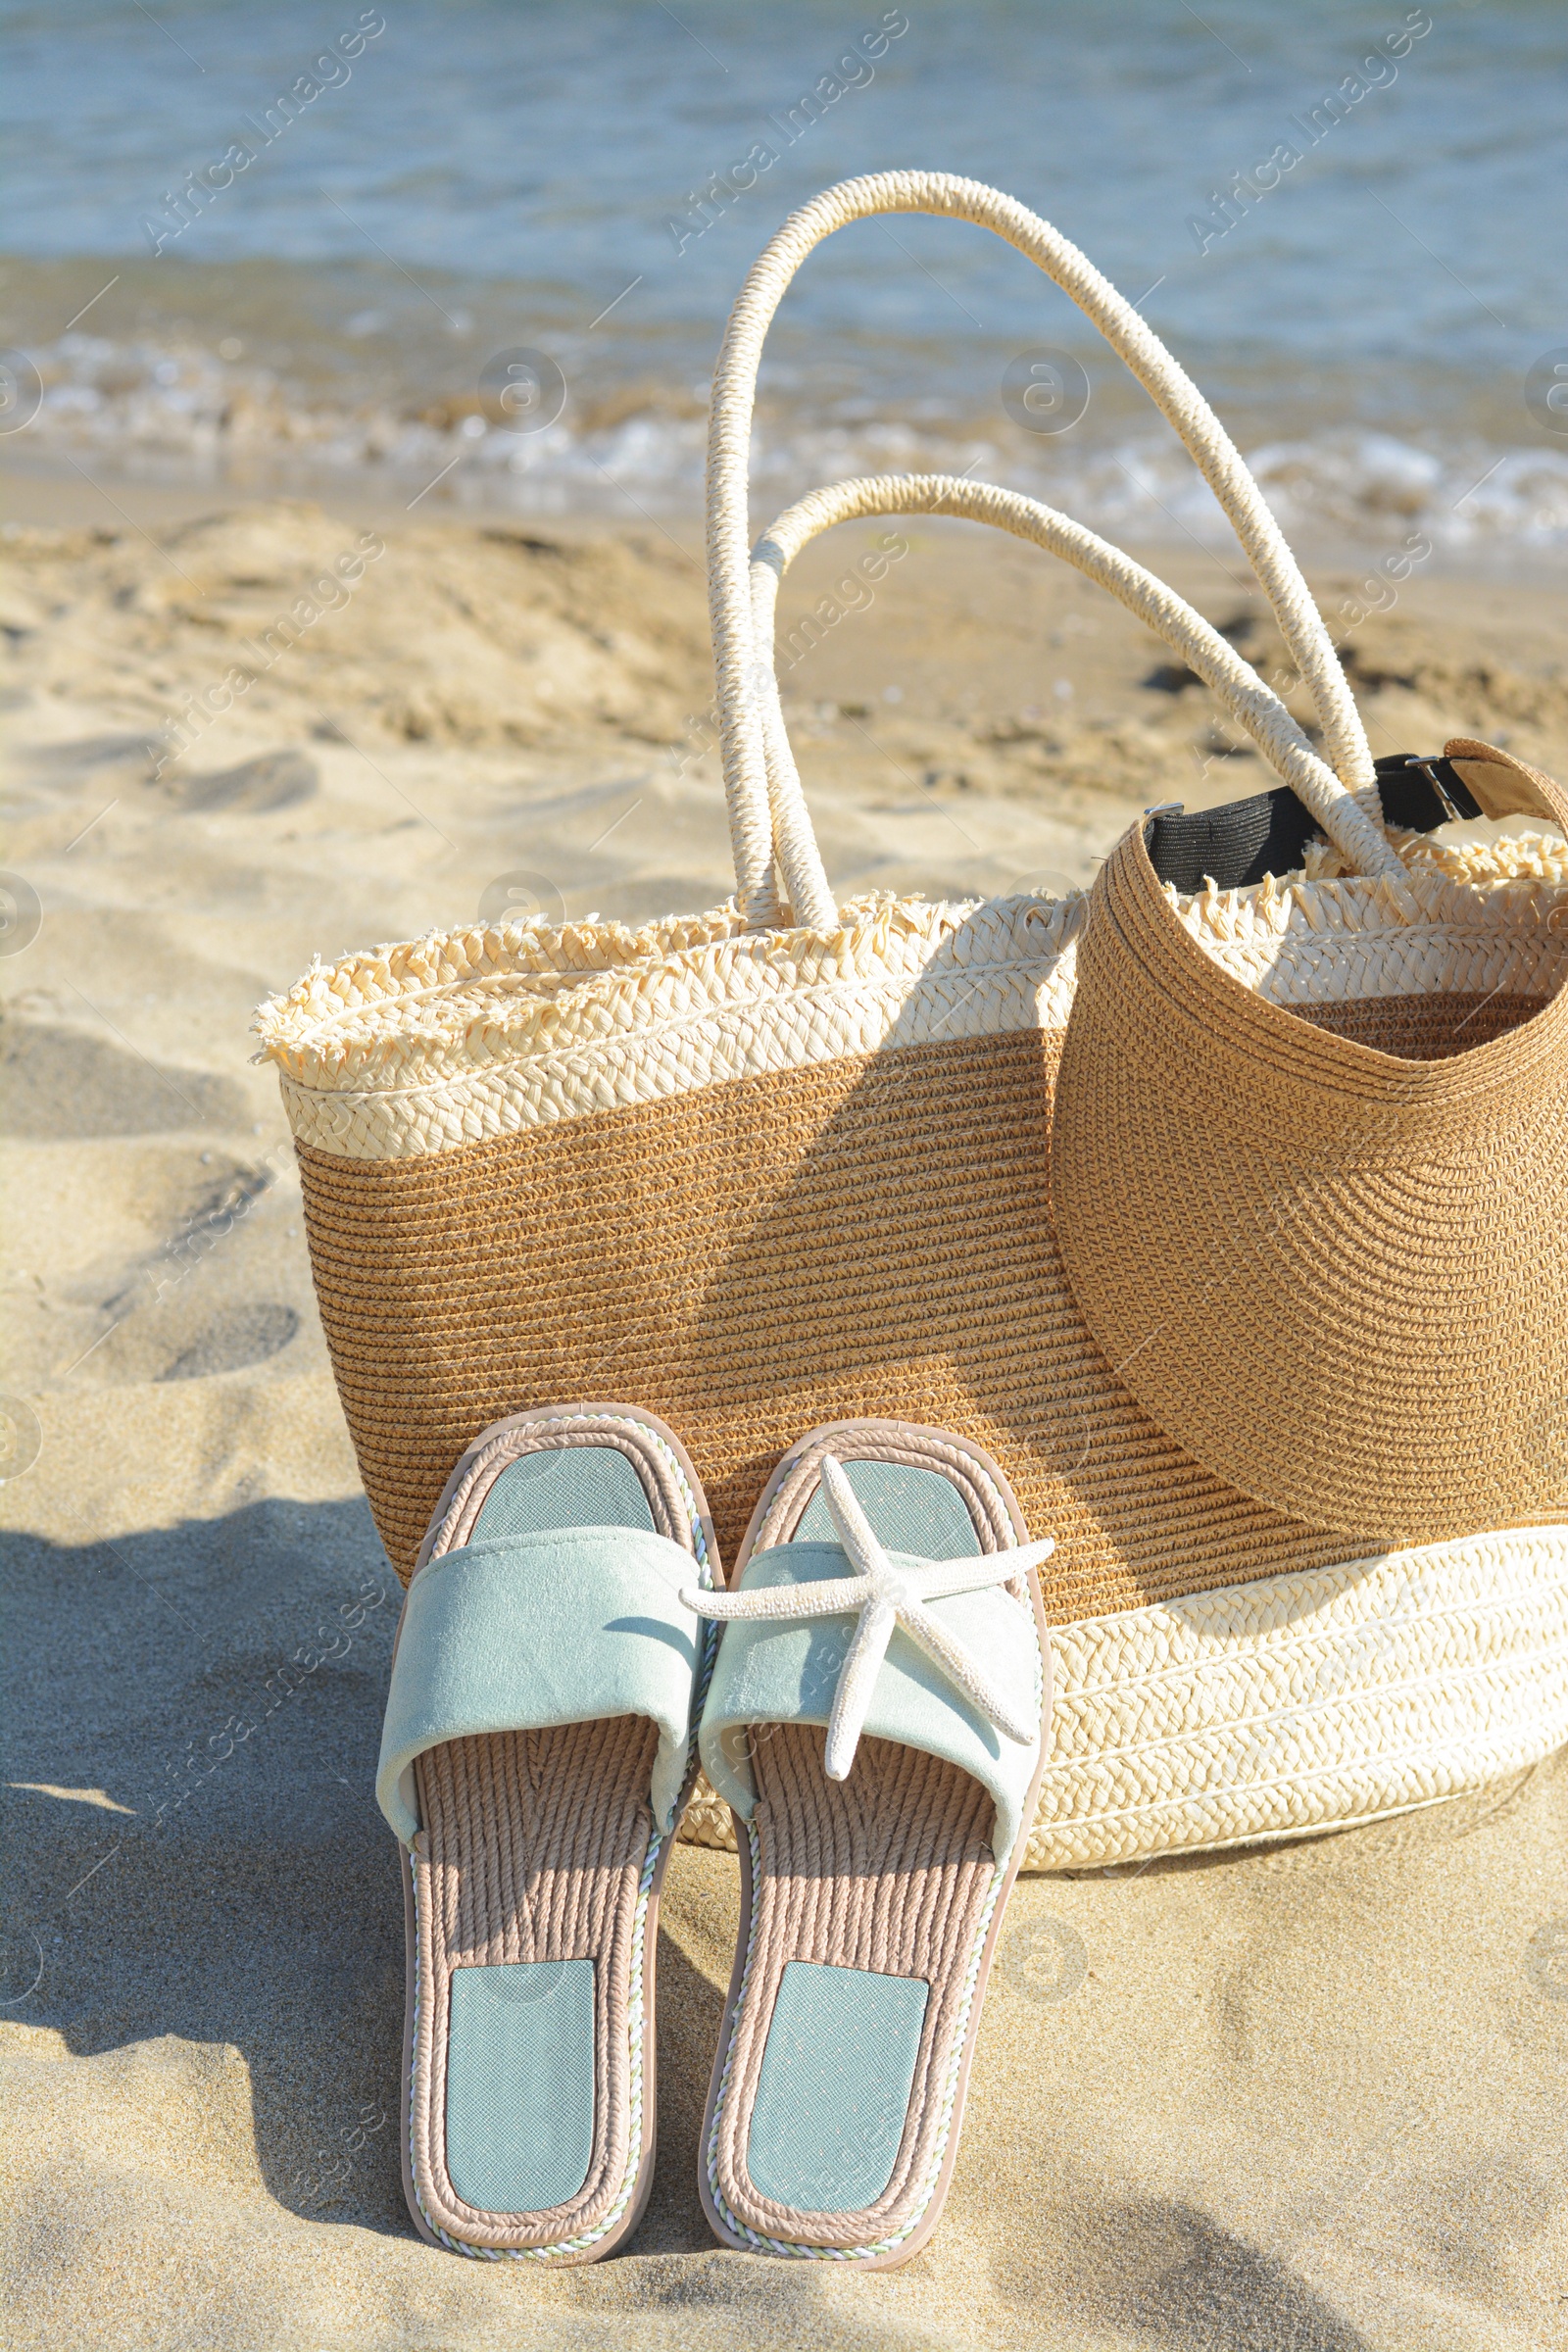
(532, 1889)
(870, 1905)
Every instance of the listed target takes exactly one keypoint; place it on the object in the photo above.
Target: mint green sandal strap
(525, 1632)
(786, 1670)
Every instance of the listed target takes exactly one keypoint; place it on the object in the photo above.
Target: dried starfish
(883, 1593)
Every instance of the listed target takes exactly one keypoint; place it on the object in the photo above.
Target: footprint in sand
(272, 780)
(236, 1338)
(85, 755)
(57, 1083)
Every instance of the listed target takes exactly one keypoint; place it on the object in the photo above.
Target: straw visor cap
(1338, 1278)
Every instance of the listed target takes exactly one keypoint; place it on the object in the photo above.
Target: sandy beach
(1308, 2097)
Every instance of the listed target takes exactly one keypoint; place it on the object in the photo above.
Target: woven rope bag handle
(740, 705)
(1254, 705)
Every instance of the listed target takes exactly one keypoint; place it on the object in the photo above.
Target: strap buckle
(1452, 794)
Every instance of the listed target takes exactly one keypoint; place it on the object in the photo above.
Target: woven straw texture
(860, 1227)
(1402, 1218)
(533, 1851)
(1288, 1704)
(471, 1034)
(864, 1238)
(760, 1173)
(891, 1869)
(536, 1846)
(718, 1180)
(1299, 1701)
(401, 1051)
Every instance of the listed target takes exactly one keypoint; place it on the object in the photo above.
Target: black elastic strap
(1240, 843)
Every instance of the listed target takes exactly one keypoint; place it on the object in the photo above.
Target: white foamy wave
(187, 411)
(1362, 485)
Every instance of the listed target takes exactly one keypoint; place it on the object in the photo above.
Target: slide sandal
(884, 1596)
(539, 1744)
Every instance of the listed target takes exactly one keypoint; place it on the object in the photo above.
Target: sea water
(307, 243)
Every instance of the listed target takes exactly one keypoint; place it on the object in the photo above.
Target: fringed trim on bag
(489, 1030)
(382, 1059)
(1488, 914)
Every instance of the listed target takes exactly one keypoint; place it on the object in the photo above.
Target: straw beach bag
(1247, 1267)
